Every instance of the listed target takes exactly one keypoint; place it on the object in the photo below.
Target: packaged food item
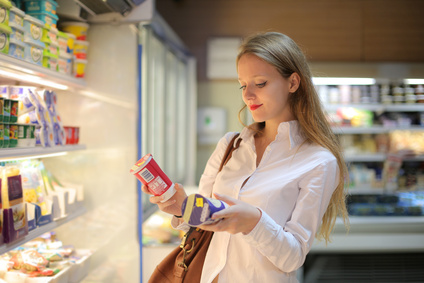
(41, 6)
(6, 134)
(5, 7)
(79, 66)
(16, 16)
(50, 100)
(7, 103)
(33, 29)
(150, 174)
(17, 49)
(34, 51)
(198, 210)
(1, 136)
(17, 33)
(79, 29)
(5, 32)
(13, 135)
(14, 220)
(80, 49)
(20, 93)
(33, 185)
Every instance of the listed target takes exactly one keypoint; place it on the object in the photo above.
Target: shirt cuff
(175, 223)
(264, 232)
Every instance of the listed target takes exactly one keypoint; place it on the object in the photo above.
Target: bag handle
(229, 151)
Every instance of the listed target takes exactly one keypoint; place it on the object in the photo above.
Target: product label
(3, 40)
(21, 132)
(205, 212)
(13, 132)
(16, 201)
(3, 14)
(199, 202)
(36, 54)
(146, 175)
(19, 20)
(158, 186)
(35, 32)
(19, 35)
(49, 7)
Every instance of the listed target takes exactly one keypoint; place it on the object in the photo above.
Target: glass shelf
(377, 129)
(18, 152)
(42, 229)
(20, 68)
(378, 107)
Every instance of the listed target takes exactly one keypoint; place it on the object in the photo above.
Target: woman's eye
(242, 87)
(261, 85)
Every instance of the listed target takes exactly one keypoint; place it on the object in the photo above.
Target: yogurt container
(17, 48)
(80, 49)
(65, 63)
(50, 60)
(50, 35)
(79, 29)
(16, 16)
(71, 42)
(17, 32)
(5, 32)
(198, 210)
(150, 174)
(4, 11)
(62, 41)
(41, 6)
(52, 48)
(46, 18)
(79, 67)
(33, 28)
(33, 51)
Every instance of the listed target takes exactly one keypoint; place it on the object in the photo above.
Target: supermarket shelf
(379, 107)
(376, 157)
(42, 229)
(370, 107)
(377, 129)
(37, 151)
(21, 67)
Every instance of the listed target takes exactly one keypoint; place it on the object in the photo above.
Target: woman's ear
(294, 81)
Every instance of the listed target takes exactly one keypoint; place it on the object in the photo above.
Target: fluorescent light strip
(414, 81)
(33, 156)
(343, 81)
(32, 79)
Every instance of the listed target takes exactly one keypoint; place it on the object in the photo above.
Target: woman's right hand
(171, 206)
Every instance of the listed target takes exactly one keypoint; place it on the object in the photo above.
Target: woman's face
(265, 91)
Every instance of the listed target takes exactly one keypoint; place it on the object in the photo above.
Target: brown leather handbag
(185, 263)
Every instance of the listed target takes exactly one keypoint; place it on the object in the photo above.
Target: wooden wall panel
(326, 30)
(393, 30)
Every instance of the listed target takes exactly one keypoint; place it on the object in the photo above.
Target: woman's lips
(254, 106)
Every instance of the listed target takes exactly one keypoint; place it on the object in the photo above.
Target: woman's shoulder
(318, 153)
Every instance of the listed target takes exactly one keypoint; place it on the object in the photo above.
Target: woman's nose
(248, 93)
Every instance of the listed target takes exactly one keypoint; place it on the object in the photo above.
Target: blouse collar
(286, 130)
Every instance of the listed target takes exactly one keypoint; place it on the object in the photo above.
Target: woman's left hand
(238, 217)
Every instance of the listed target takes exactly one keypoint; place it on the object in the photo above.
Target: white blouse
(292, 186)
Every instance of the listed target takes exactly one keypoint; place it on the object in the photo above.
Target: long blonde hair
(285, 55)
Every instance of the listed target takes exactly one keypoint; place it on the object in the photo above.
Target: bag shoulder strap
(229, 151)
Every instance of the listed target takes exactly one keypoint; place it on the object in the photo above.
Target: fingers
(229, 200)
(144, 189)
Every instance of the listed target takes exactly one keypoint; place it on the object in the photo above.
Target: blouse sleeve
(286, 247)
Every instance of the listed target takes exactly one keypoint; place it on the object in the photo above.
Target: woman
(285, 182)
